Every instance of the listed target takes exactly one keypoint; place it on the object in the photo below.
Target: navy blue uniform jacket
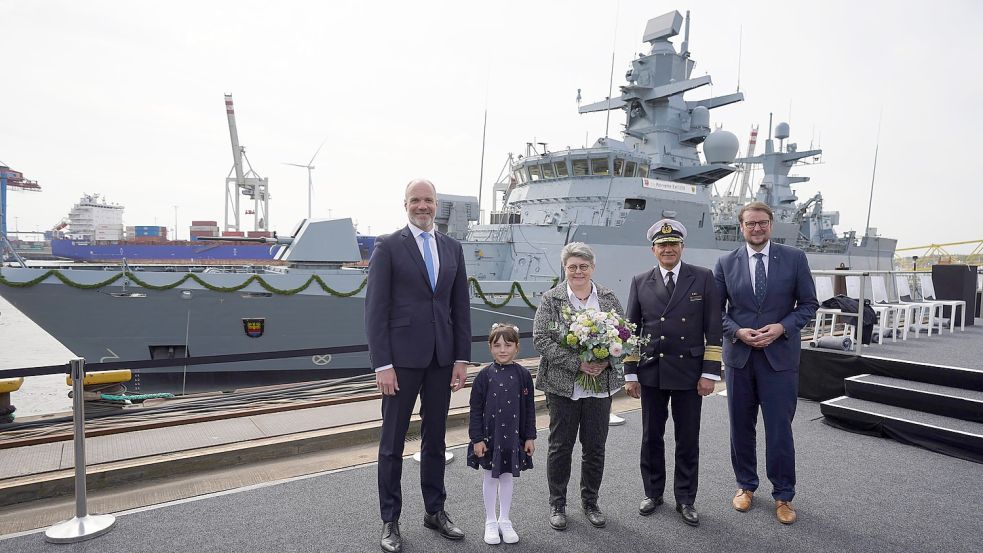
(685, 329)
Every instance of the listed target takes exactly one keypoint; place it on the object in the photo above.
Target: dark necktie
(670, 283)
(760, 278)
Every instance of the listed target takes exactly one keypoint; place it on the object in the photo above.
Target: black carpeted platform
(856, 493)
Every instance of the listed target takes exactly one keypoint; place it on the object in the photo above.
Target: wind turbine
(310, 180)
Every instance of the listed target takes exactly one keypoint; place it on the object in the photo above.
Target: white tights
(500, 488)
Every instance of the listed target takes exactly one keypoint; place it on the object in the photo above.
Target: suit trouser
(686, 412)
(590, 416)
(433, 387)
(756, 385)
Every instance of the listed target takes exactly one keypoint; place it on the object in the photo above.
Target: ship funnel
(721, 147)
(700, 118)
(781, 131)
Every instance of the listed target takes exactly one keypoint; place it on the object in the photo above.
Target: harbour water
(25, 344)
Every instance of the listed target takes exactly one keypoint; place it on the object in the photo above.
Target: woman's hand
(593, 368)
(479, 449)
(530, 447)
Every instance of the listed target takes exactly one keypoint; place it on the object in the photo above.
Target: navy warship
(606, 195)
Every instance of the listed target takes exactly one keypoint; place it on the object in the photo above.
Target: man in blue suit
(418, 325)
(767, 295)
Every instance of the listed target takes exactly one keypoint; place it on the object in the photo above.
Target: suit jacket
(790, 299)
(407, 323)
(685, 329)
(559, 364)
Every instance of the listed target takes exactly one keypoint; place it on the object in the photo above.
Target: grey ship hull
(113, 324)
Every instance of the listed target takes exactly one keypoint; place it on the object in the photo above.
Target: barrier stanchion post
(83, 526)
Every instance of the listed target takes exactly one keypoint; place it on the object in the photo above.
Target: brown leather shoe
(785, 512)
(742, 501)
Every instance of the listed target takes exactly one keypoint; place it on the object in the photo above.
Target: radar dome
(781, 131)
(700, 118)
(721, 147)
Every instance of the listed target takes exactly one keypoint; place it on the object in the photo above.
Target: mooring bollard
(83, 526)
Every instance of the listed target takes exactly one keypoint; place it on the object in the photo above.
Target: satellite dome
(781, 131)
(721, 147)
(700, 118)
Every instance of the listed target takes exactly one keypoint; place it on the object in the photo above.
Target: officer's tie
(428, 260)
(760, 278)
(670, 283)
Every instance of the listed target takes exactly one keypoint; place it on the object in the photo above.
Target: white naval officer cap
(666, 230)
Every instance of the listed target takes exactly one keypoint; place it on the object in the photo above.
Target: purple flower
(623, 333)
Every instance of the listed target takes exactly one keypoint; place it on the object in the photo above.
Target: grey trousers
(589, 416)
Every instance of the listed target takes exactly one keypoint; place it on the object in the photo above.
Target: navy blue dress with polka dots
(503, 415)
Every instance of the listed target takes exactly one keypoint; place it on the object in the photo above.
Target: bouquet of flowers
(600, 336)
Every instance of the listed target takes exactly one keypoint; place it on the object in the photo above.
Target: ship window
(534, 173)
(561, 169)
(548, 171)
(599, 166)
(630, 169)
(522, 176)
(619, 164)
(643, 171)
(580, 168)
(635, 203)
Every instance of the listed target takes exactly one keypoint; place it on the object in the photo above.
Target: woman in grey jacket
(573, 408)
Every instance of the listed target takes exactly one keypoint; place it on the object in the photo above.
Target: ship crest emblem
(254, 327)
(666, 229)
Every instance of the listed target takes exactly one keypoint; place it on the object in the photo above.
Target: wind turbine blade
(323, 142)
(293, 164)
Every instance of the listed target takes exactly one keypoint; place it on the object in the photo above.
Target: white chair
(824, 291)
(928, 294)
(905, 311)
(932, 308)
(887, 316)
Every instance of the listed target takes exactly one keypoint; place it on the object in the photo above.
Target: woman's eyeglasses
(583, 268)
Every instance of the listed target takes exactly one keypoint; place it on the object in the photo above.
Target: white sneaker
(491, 533)
(508, 533)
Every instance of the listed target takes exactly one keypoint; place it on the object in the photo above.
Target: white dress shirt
(665, 280)
(592, 303)
(752, 262)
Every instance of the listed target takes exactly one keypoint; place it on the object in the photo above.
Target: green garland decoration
(516, 287)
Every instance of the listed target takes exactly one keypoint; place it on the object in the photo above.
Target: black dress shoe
(594, 515)
(690, 516)
(558, 517)
(440, 522)
(648, 505)
(391, 540)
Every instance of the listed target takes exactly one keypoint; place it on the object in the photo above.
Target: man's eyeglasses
(583, 268)
(760, 224)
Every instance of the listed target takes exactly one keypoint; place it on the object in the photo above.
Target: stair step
(952, 436)
(956, 377)
(947, 401)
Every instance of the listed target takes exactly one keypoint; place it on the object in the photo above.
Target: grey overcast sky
(125, 99)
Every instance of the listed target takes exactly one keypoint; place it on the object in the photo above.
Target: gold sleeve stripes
(713, 353)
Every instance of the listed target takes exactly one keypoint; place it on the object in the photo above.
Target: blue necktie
(428, 260)
(760, 278)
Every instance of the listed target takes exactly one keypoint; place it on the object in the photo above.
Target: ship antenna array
(614, 44)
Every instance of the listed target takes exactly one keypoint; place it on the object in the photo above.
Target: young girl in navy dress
(502, 429)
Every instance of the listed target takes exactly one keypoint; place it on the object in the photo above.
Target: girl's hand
(479, 449)
(530, 447)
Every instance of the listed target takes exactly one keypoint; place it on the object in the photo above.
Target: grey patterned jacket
(558, 364)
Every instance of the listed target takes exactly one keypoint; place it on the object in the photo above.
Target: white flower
(616, 349)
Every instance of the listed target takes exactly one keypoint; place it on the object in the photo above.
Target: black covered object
(956, 282)
(849, 305)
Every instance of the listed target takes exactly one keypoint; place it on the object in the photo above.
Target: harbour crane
(245, 182)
